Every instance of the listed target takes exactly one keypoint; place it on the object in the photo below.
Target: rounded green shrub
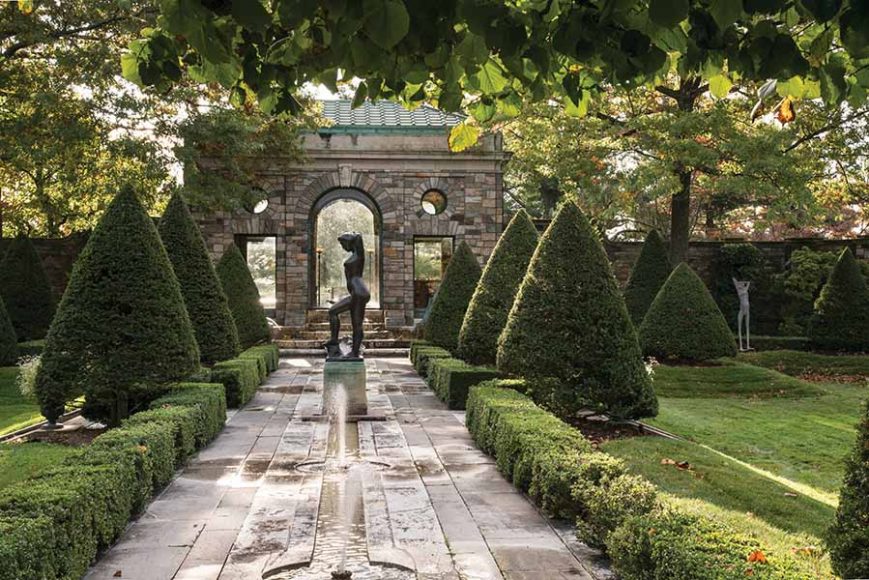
(8, 340)
(841, 318)
(203, 295)
(848, 538)
(684, 323)
(649, 274)
(451, 302)
(244, 299)
(26, 291)
(569, 322)
(121, 329)
(494, 295)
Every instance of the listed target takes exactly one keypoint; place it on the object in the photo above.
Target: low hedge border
(240, 377)
(53, 525)
(779, 343)
(426, 353)
(268, 353)
(615, 510)
(451, 379)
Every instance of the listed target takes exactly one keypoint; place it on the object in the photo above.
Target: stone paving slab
(251, 500)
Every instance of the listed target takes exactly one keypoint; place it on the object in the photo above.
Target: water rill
(341, 548)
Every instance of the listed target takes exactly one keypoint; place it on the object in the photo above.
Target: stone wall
(58, 255)
(393, 171)
(703, 255)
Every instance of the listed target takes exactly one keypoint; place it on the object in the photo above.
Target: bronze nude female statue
(354, 266)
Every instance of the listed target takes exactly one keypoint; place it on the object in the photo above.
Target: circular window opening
(261, 206)
(259, 201)
(433, 202)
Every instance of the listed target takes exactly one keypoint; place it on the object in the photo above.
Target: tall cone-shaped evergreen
(684, 322)
(121, 328)
(494, 295)
(649, 274)
(841, 317)
(848, 537)
(243, 296)
(26, 291)
(203, 295)
(569, 323)
(453, 296)
(8, 340)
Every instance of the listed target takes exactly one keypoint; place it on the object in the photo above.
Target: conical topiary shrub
(25, 290)
(203, 295)
(841, 317)
(494, 295)
(684, 323)
(569, 322)
(121, 328)
(8, 340)
(649, 274)
(848, 537)
(451, 302)
(244, 300)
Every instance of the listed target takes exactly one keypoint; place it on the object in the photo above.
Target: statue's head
(352, 242)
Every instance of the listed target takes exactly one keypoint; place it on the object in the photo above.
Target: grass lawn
(20, 461)
(15, 410)
(810, 365)
(764, 450)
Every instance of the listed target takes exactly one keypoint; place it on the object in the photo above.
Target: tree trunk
(680, 218)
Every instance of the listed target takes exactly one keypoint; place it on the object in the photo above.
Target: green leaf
(793, 87)
(580, 109)
(489, 80)
(359, 97)
(725, 12)
(463, 136)
(668, 13)
(130, 66)
(719, 86)
(482, 111)
(386, 22)
(251, 14)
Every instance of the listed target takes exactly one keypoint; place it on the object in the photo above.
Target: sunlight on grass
(723, 481)
(22, 460)
(15, 411)
(731, 379)
(797, 363)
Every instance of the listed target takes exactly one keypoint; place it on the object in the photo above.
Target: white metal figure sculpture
(743, 316)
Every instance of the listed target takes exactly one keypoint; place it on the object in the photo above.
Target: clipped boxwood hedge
(779, 343)
(27, 548)
(270, 353)
(243, 298)
(669, 545)
(451, 379)
(622, 513)
(647, 276)
(424, 355)
(25, 290)
(240, 377)
(53, 525)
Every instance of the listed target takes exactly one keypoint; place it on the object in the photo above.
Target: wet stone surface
(279, 496)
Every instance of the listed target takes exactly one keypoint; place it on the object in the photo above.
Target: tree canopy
(500, 52)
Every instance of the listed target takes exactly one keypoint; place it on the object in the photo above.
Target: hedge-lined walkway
(442, 504)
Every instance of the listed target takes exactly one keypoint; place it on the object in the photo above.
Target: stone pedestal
(344, 379)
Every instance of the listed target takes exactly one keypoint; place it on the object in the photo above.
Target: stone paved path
(243, 503)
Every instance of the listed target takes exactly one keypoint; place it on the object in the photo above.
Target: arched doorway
(335, 212)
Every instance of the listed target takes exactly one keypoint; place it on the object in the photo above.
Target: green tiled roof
(385, 116)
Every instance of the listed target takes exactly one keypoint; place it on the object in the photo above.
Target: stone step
(316, 315)
(366, 326)
(369, 352)
(369, 343)
(322, 335)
